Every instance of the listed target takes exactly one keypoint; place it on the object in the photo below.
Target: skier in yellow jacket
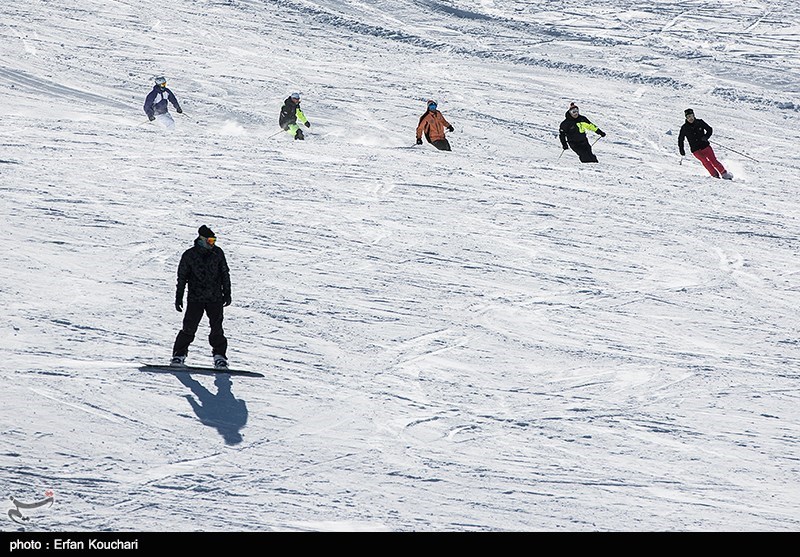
(572, 133)
(291, 113)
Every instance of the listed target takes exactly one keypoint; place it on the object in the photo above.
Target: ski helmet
(296, 96)
(160, 80)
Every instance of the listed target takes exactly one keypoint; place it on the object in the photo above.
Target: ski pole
(599, 137)
(735, 151)
(192, 118)
(189, 117)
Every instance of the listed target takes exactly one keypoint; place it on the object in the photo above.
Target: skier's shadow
(222, 411)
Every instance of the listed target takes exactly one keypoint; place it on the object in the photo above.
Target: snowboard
(166, 368)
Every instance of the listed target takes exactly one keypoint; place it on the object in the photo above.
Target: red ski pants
(709, 160)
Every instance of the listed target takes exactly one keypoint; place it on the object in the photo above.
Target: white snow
(497, 338)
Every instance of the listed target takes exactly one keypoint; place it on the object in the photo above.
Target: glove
(308, 124)
(180, 111)
(601, 133)
(152, 118)
(179, 305)
(450, 129)
(419, 141)
(227, 301)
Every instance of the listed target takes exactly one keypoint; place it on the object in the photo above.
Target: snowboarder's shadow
(222, 411)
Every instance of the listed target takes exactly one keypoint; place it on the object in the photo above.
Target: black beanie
(206, 232)
(688, 111)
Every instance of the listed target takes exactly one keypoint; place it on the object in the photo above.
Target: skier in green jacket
(291, 113)
(572, 134)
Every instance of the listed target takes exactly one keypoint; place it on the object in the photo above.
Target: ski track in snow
(496, 338)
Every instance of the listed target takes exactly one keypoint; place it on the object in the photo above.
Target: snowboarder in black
(291, 113)
(697, 132)
(572, 134)
(204, 268)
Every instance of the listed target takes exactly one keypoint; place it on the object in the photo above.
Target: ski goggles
(573, 110)
(211, 241)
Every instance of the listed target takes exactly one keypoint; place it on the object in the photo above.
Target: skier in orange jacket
(433, 124)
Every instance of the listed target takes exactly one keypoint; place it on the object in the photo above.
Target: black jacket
(697, 133)
(288, 113)
(156, 101)
(206, 272)
(573, 130)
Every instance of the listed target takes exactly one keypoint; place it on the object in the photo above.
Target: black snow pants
(584, 151)
(441, 144)
(191, 320)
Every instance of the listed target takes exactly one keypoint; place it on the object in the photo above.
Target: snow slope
(497, 338)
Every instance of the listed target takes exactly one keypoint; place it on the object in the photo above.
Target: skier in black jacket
(291, 113)
(572, 134)
(204, 268)
(697, 132)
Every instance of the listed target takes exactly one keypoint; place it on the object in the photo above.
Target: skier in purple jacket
(156, 104)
